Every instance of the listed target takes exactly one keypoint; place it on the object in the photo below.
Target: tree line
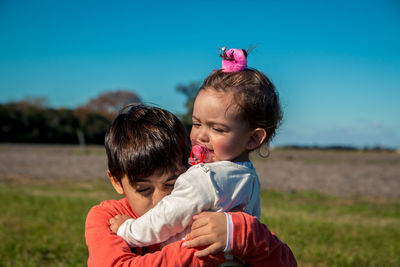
(32, 121)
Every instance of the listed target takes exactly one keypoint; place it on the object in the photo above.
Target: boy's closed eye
(147, 190)
(141, 190)
(144, 191)
(170, 183)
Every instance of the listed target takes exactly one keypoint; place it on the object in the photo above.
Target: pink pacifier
(198, 155)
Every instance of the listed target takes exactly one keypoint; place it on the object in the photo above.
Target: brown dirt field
(341, 173)
(52, 161)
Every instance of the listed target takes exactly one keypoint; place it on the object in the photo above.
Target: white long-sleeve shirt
(217, 186)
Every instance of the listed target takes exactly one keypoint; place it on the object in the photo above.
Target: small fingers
(113, 219)
(116, 221)
(113, 227)
(197, 242)
(125, 216)
(194, 233)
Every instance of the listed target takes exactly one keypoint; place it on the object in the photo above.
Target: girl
(154, 132)
(236, 111)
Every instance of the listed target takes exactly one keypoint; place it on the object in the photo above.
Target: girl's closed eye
(219, 130)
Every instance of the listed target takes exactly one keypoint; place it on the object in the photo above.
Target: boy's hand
(208, 228)
(116, 222)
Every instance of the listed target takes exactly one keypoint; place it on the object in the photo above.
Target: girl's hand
(116, 222)
(208, 228)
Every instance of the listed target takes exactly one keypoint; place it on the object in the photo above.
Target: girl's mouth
(199, 154)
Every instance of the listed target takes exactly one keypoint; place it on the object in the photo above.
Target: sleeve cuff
(229, 232)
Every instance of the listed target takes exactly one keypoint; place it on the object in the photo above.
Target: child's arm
(251, 240)
(208, 229)
(220, 186)
(173, 213)
(255, 244)
(108, 249)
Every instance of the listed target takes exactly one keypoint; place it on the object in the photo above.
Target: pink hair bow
(233, 60)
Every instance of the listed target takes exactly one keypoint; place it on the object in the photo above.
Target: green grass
(330, 231)
(42, 224)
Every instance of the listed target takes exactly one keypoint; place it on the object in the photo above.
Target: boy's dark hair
(254, 94)
(143, 141)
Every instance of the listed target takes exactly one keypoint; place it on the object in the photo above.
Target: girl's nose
(203, 135)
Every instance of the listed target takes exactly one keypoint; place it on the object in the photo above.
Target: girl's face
(216, 127)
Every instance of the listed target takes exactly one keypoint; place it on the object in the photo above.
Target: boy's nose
(157, 196)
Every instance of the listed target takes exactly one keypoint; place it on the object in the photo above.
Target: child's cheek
(222, 148)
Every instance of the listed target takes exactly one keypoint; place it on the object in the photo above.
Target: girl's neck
(242, 157)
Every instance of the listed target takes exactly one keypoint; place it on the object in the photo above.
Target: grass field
(42, 224)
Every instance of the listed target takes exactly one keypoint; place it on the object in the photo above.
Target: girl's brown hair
(254, 95)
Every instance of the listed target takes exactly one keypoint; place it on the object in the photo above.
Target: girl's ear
(257, 137)
(116, 184)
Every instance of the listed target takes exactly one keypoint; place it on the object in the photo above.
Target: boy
(147, 150)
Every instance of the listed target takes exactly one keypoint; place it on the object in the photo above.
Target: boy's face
(146, 192)
(216, 127)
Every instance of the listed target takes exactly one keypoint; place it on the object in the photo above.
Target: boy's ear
(257, 137)
(116, 184)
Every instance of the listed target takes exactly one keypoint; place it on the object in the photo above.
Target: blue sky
(336, 64)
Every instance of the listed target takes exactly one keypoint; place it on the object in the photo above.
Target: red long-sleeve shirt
(252, 241)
